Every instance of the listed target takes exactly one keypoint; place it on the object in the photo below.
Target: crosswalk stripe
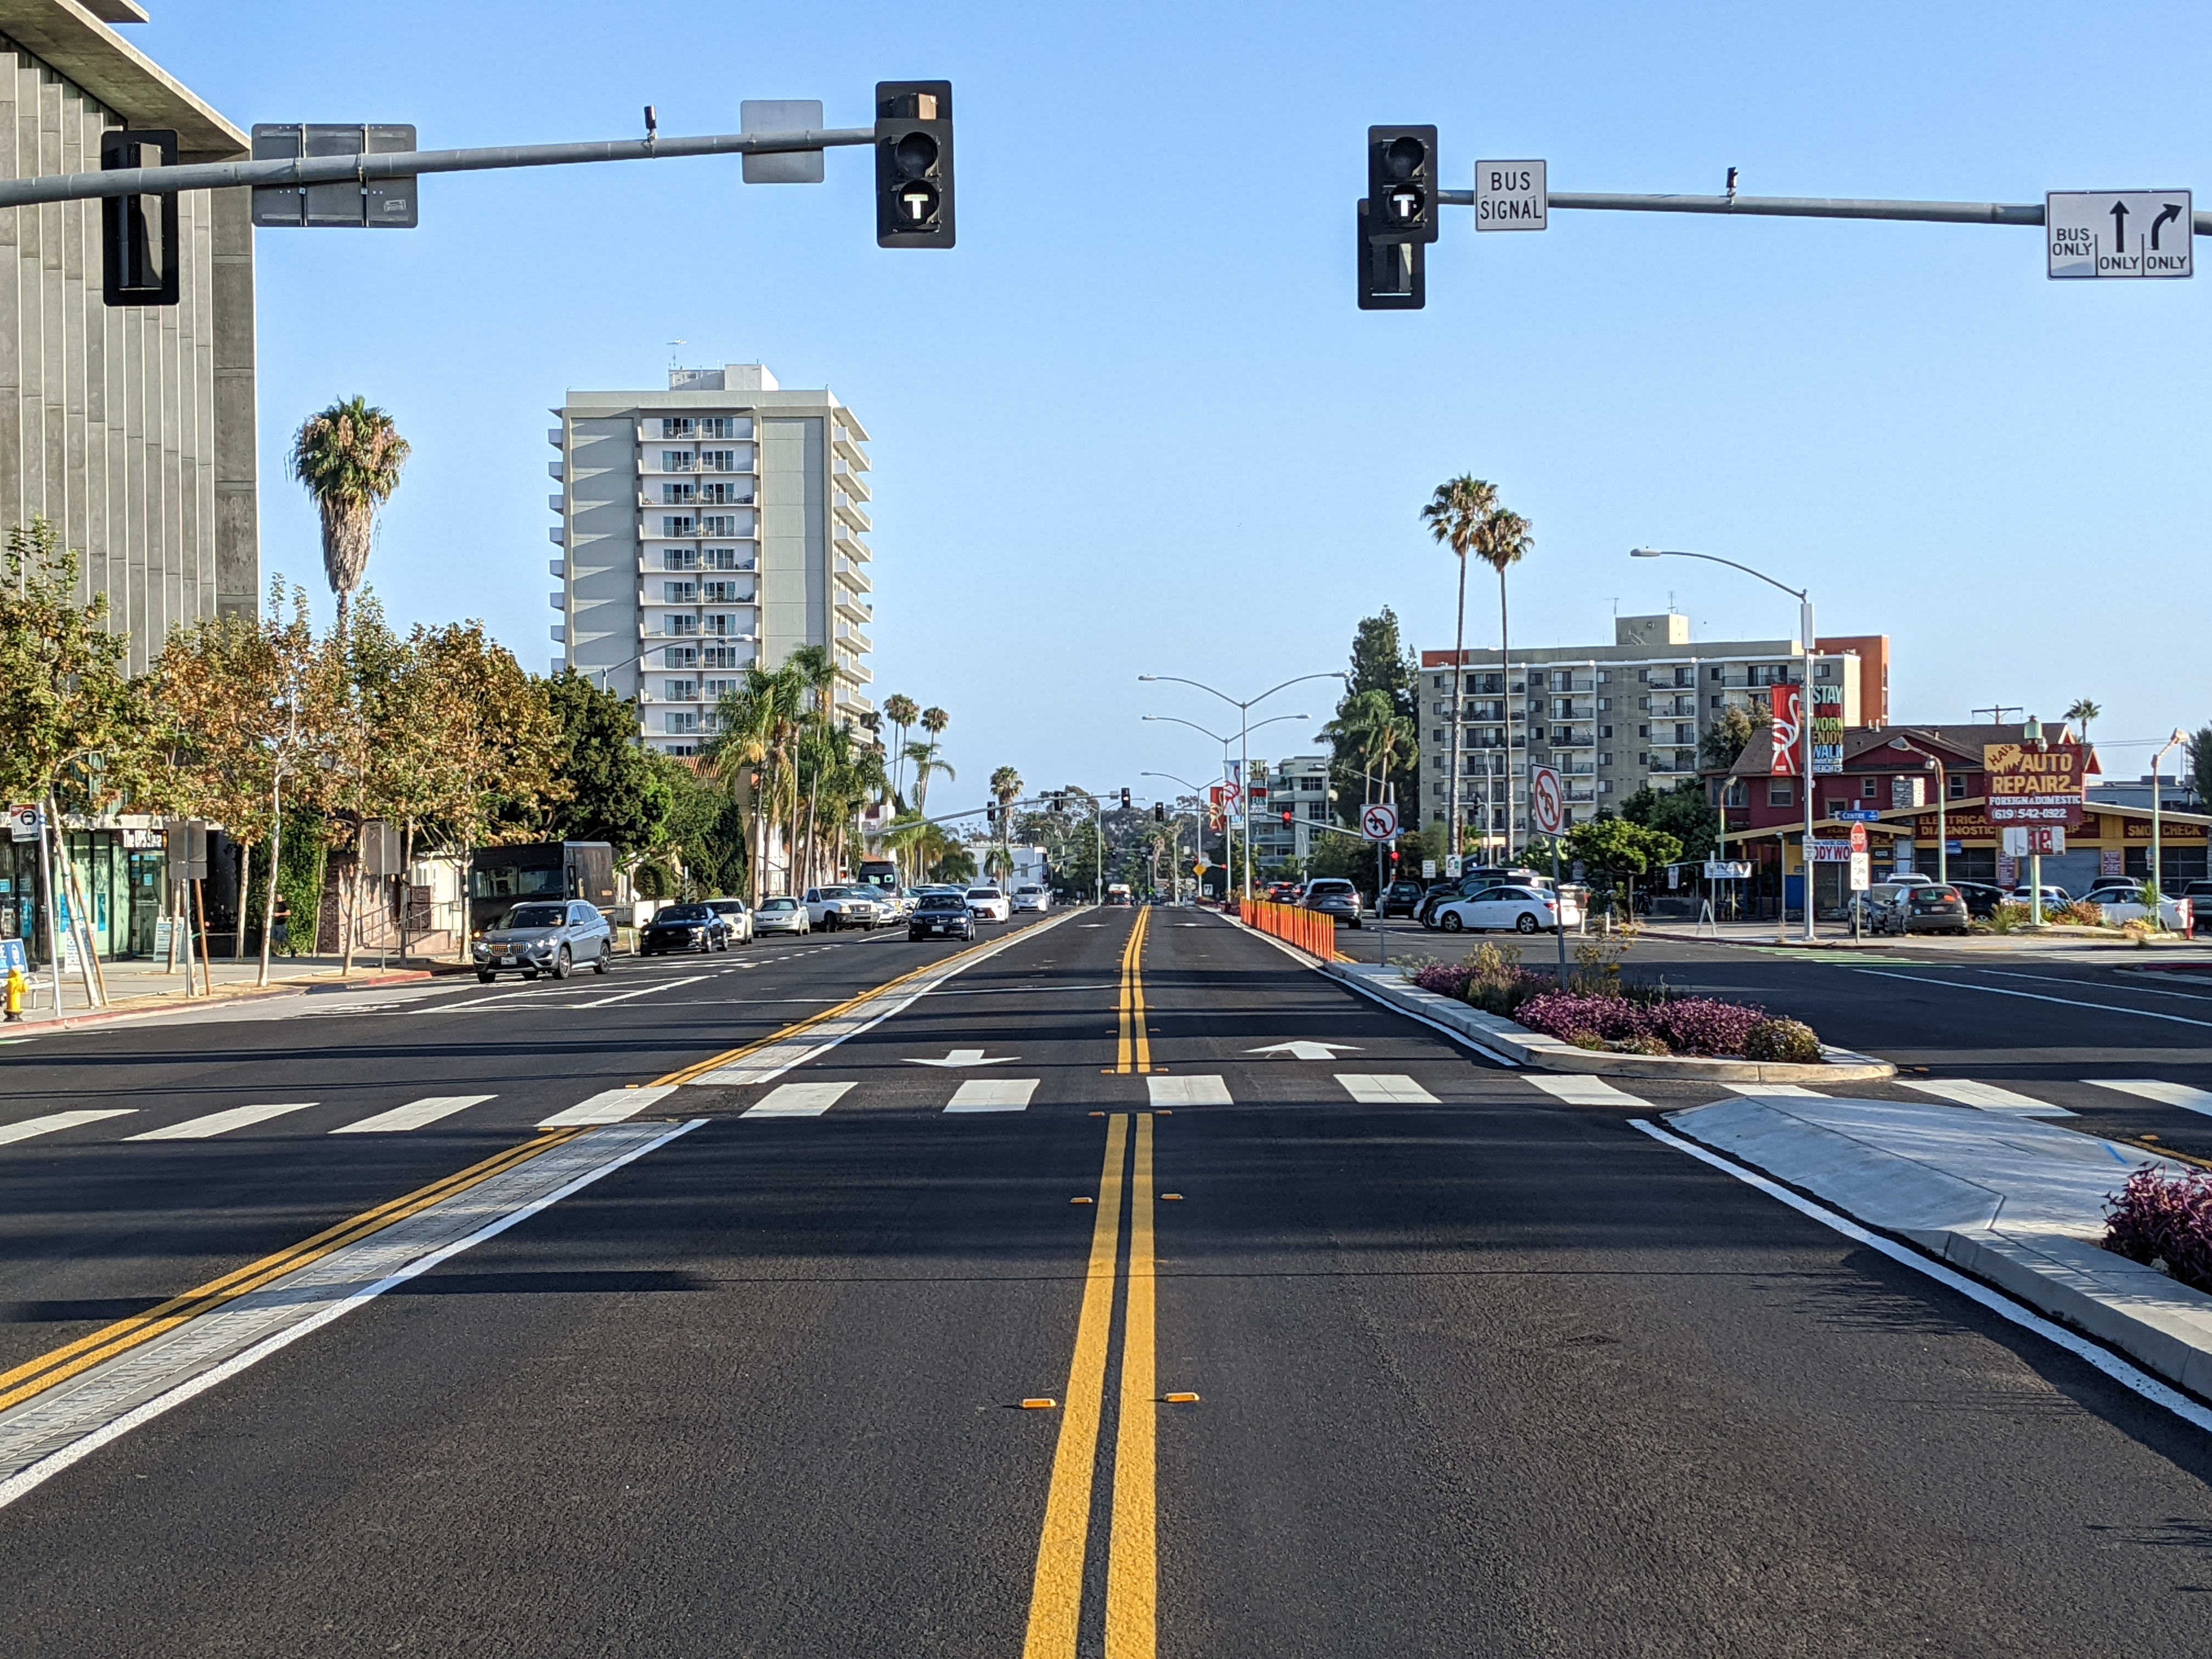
(2157, 1089)
(412, 1115)
(1384, 1089)
(1187, 1090)
(53, 1122)
(993, 1094)
(797, 1100)
(611, 1106)
(217, 1123)
(1577, 1090)
(1988, 1097)
(1776, 1090)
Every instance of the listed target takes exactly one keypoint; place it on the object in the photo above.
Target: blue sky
(1134, 423)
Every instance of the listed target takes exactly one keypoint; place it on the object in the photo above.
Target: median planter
(1543, 1050)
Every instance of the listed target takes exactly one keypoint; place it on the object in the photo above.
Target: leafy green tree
(1682, 812)
(615, 794)
(348, 457)
(2200, 762)
(1615, 851)
(73, 726)
(1380, 663)
(1727, 738)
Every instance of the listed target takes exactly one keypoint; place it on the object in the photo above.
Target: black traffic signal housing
(991, 813)
(1288, 815)
(1159, 811)
(141, 256)
(1393, 276)
(913, 164)
(1125, 801)
(1402, 184)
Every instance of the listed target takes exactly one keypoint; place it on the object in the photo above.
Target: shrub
(1705, 1025)
(1789, 1040)
(1570, 1015)
(1443, 978)
(1643, 1045)
(2159, 1217)
(1506, 997)
(2080, 914)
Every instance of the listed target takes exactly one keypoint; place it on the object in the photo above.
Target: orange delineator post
(1309, 930)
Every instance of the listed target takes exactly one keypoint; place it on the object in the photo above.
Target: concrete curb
(224, 996)
(1548, 1053)
(2049, 1262)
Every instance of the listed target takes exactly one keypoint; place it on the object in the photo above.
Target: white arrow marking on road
(967, 1057)
(1305, 1050)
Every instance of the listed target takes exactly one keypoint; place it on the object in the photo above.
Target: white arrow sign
(966, 1057)
(1303, 1050)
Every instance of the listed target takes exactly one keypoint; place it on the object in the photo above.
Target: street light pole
(2157, 792)
(1244, 738)
(1804, 598)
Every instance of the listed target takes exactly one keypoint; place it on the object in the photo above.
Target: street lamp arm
(1332, 674)
(1178, 679)
(1714, 558)
(1176, 720)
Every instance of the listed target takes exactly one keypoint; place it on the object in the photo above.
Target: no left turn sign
(1379, 821)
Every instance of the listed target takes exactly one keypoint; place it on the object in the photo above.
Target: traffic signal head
(1125, 801)
(1159, 813)
(1393, 276)
(1402, 184)
(1288, 816)
(913, 164)
(139, 252)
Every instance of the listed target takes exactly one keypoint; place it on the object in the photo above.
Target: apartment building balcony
(842, 447)
(851, 479)
(853, 639)
(851, 574)
(696, 429)
(1752, 679)
(859, 673)
(849, 510)
(735, 493)
(849, 544)
(849, 603)
(1566, 737)
(656, 563)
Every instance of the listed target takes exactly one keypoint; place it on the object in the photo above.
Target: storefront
(120, 874)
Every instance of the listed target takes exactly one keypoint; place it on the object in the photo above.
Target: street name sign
(2119, 233)
(1547, 801)
(1860, 815)
(1378, 822)
(1510, 195)
(1832, 852)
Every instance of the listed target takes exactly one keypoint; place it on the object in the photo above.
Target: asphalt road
(1477, 1371)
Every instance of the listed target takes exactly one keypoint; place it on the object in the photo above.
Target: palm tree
(1454, 514)
(1502, 539)
(761, 723)
(900, 710)
(1005, 789)
(934, 721)
(348, 457)
(925, 766)
(1372, 724)
(2085, 711)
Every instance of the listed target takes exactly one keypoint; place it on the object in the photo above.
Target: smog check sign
(2119, 233)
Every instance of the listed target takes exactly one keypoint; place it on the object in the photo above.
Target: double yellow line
(1133, 1049)
(1132, 1548)
(35, 1376)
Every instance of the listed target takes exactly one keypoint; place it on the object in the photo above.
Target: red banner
(1785, 732)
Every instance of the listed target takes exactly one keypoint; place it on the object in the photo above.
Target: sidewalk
(1836, 936)
(136, 988)
(2014, 1202)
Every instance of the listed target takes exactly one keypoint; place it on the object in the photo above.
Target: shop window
(1956, 783)
(1781, 791)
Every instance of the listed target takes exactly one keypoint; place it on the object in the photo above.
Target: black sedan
(685, 927)
(941, 916)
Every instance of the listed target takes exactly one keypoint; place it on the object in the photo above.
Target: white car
(1515, 908)
(781, 915)
(1032, 898)
(832, 908)
(989, 904)
(2052, 897)
(733, 911)
(2122, 902)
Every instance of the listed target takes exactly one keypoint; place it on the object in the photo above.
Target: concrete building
(1613, 717)
(704, 528)
(1298, 786)
(132, 430)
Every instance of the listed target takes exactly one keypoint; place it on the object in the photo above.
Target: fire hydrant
(18, 988)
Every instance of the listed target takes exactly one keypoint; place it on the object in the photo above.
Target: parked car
(1881, 907)
(683, 927)
(545, 939)
(1472, 881)
(833, 907)
(1333, 896)
(2199, 895)
(1982, 898)
(2052, 897)
(1501, 907)
(1932, 906)
(781, 915)
(989, 904)
(2121, 902)
(1400, 898)
(1032, 898)
(941, 916)
(733, 911)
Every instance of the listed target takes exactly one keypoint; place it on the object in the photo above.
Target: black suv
(1400, 898)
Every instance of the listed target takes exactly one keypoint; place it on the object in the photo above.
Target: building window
(1643, 760)
(676, 623)
(675, 460)
(680, 691)
(680, 656)
(1732, 793)
(679, 720)
(715, 690)
(1869, 788)
(678, 525)
(1604, 705)
(718, 525)
(674, 427)
(1956, 783)
(718, 460)
(1719, 674)
(1642, 731)
(1781, 791)
(678, 592)
(725, 426)
(720, 656)
(679, 558)
(1720, 702)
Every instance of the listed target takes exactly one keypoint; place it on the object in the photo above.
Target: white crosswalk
(2157, 1089)
(413, 1115)
(222, 1123)
(993, 1094)
(1988, 1097)
(798, 1100)
(31, 1128)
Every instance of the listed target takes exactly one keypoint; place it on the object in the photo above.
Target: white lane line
(2038, 996)
(1187, 1091)
(53, 1122)
(1586, 1091)
(413, 1115)
(2157, 1089)
(1775, 1091)
(2004, 1306)
(2132, 990)
(217, 1123)
(1988, 1097)
(642, 991)
(797, 1100)
(611, 1106)
(993, 1094)
(1379, 1088)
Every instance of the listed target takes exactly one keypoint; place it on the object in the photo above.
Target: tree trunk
(276, 864)
(1505, 658)
(245, 881)
(1458, 712)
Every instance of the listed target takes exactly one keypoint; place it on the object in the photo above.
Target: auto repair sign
(2028, 785)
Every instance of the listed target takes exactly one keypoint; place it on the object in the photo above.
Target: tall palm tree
(1006, 789)
(1503, 538)
(900, 710)
(934, 721)
(1454, 515)
(2085, 711)
(348, 457)
(925, 766)
(1372, 724)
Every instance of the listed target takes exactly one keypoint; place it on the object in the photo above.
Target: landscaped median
(1597, 1024)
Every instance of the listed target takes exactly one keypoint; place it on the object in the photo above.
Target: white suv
(989, 904)
(832, 908)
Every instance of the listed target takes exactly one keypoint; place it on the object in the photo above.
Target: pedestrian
(280, 925)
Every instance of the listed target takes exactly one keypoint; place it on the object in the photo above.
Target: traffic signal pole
(1801, 207)
(340, 169)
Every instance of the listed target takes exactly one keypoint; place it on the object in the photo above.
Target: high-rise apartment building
(131, 429)
(1613, 717)
(704, 528)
